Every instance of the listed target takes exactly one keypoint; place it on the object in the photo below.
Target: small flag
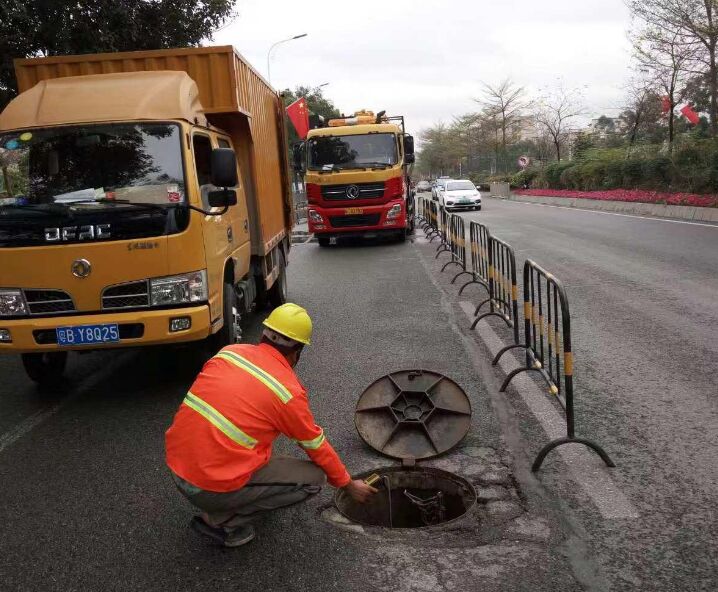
(298, 114)
(690, 114)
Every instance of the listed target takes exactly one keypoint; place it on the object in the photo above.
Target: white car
(458, 194)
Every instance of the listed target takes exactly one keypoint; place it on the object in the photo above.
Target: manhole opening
(411, 497)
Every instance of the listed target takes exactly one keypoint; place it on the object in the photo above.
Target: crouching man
(219, 446)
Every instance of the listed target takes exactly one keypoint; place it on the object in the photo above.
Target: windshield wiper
(48, 209)
(373, 165)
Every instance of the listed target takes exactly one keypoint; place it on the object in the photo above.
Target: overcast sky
(426, 59)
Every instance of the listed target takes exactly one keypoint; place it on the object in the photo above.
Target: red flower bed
(632, 195)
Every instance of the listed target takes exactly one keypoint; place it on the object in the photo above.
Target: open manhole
(410, 497)
(412, 415)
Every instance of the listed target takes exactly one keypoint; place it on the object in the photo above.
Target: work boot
(229, 537)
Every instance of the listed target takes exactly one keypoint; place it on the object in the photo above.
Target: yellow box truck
(144, 199)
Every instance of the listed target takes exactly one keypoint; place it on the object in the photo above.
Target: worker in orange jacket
(219, 446)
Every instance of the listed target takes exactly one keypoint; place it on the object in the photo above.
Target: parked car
(423, 186)
(460, 194)
(437, 188)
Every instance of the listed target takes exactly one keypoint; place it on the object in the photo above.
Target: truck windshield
(53, 167)
(352, 152)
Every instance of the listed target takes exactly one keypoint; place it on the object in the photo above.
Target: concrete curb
(640, 209)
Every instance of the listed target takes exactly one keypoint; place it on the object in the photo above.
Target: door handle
(230, 234)
(246, 225)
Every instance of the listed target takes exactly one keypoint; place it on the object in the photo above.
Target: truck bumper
(138, 328)
(358, 221)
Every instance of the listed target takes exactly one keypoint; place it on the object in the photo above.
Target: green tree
(317, 103)
(61, 27)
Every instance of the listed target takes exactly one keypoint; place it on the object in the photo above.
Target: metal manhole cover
(413, 414)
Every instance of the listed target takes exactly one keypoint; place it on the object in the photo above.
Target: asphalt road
(87, 503)
(644, 307)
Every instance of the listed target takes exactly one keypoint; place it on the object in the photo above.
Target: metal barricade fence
(503, 288)
(479, 238)
(444, 227)
(547, 345)
(457, 245)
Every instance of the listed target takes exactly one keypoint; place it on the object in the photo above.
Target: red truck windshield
(352, 152)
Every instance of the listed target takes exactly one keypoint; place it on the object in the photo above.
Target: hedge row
(690, 168)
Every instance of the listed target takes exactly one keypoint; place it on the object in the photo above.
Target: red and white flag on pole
(298, 114)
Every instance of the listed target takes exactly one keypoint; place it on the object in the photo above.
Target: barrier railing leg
(473, 281)
(450, 263)
(503, 350)
(559, 441)
(458, 275)
(515, 373)
(501, 315)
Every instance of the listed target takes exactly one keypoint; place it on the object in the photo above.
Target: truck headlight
(179, 289)
(316, 217)
(393, 212)
(11, 303)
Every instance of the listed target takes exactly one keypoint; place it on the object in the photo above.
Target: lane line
(25, 426)
(649, 218)
(586, 467)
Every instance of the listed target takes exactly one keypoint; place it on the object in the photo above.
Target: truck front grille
(48, 301)
(130, 295)
(365, 191)
(360, 220)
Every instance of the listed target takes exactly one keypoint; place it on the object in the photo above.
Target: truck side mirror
(298, 157)
(408, 149)
(224, 168)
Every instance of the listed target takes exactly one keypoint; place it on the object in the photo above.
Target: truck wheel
(228, 334)
(45, 368)
(323, 241)
(402, 235)
(278, 292)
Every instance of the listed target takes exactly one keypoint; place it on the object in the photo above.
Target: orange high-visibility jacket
(242, 400)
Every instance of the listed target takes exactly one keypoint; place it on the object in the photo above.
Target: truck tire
(45, 368)
(323, 241)
(227, 335)
(401, 237)
(278, 292)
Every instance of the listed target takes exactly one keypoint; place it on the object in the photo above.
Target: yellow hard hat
(292, 321)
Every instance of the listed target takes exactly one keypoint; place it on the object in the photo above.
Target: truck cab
(132, 214)
(356, 173)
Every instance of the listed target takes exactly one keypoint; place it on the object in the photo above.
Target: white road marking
(26, 425)
(29, 423)
(650, 218)
(586, 467)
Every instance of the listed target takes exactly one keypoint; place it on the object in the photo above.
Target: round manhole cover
(413, 414)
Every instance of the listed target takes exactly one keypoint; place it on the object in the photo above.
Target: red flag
(690, 114)
(665, 105)
(299, 115)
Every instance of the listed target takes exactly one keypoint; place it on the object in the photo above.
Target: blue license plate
(88, 334)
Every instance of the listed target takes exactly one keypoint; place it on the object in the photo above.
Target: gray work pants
(234, 508)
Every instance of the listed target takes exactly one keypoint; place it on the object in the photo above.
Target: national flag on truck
(298, 113)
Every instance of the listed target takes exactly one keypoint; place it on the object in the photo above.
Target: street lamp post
(269, 53)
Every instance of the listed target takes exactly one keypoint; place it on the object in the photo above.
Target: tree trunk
(671, 119)
(713, 84)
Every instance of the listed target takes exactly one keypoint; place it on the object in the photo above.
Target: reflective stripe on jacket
(242, 400)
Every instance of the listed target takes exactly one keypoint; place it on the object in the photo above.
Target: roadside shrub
(632, 171)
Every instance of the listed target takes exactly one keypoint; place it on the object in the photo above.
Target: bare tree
(554, 112)
(504, 106)
(665, 59)
(694, 25)
(642, 108)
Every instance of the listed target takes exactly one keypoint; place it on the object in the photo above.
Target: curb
(692, 213)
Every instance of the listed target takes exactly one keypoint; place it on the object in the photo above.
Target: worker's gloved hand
(359, 491)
